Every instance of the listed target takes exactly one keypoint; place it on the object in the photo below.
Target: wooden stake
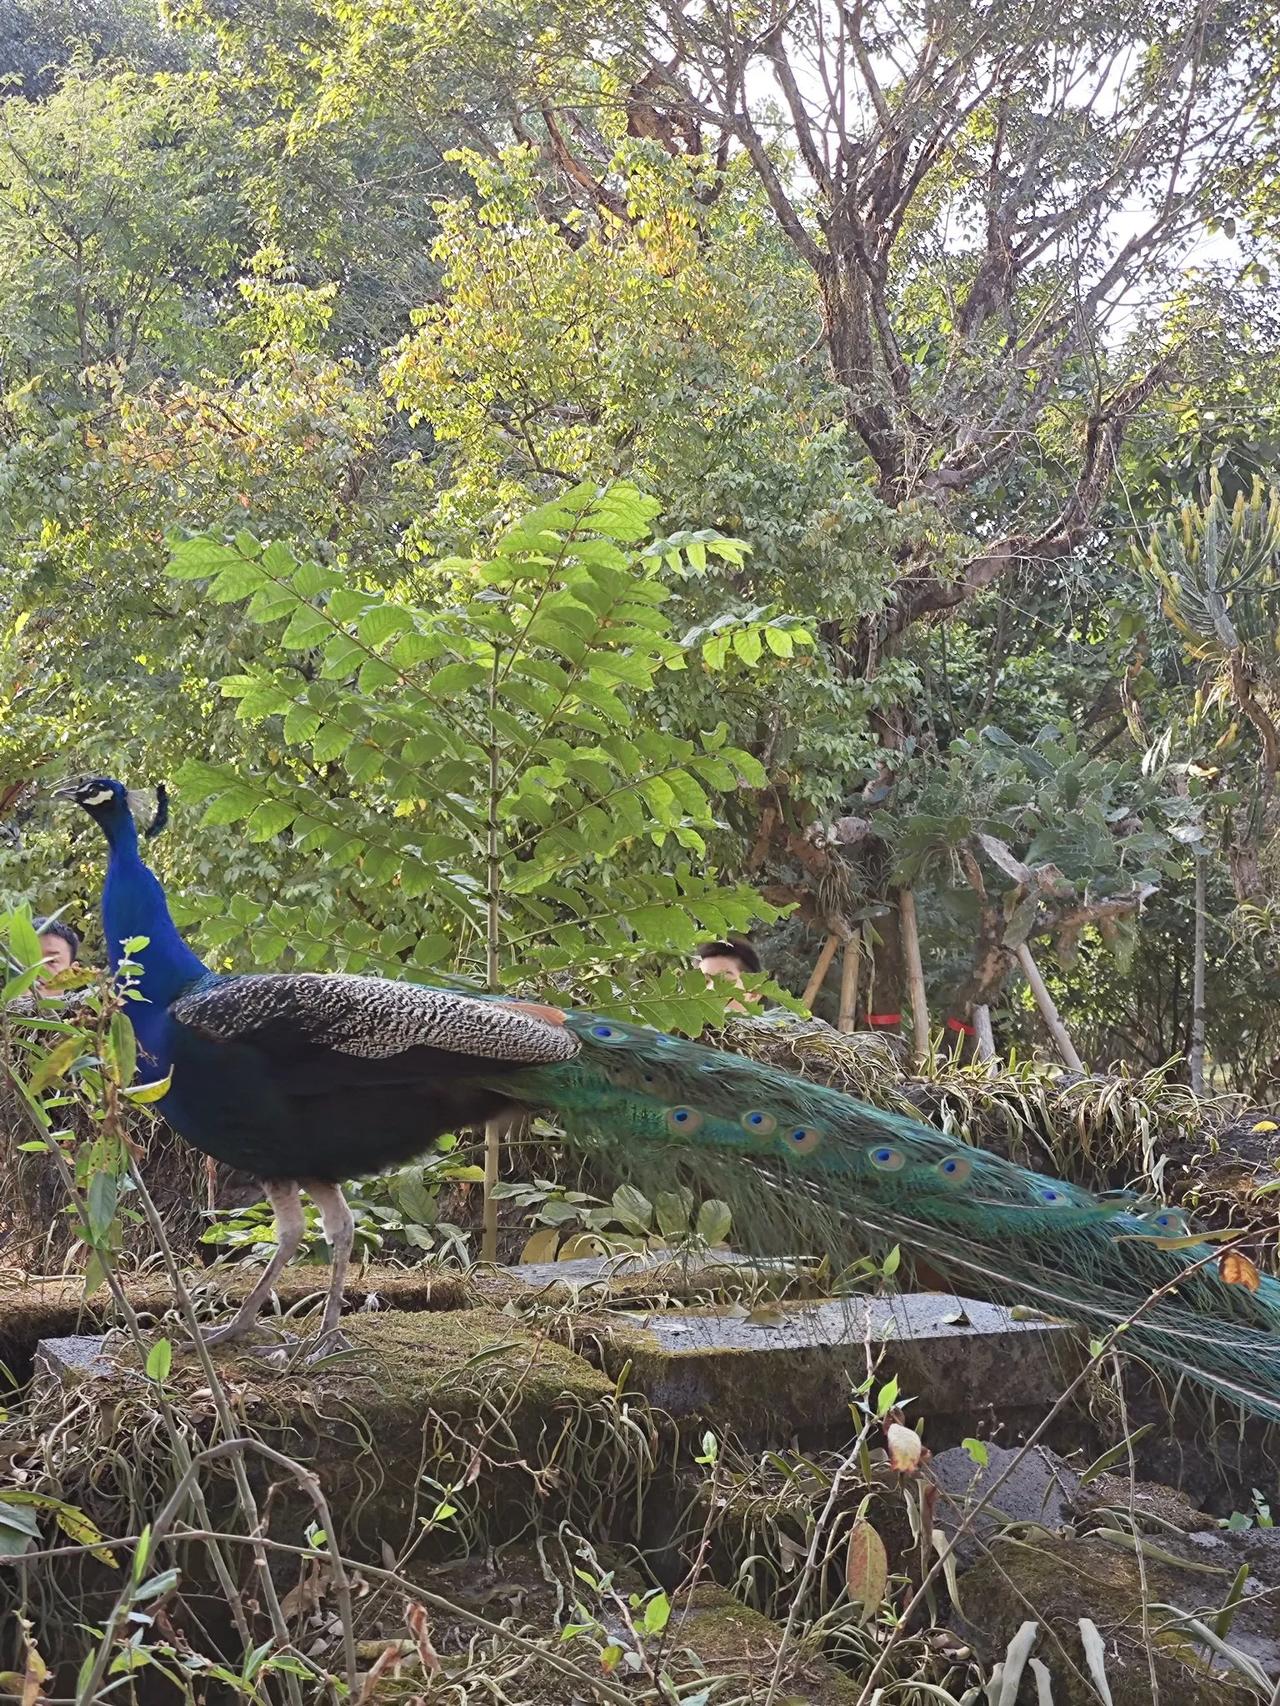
(1195, 1058)
(820, 970)
(849, 981)
(493, 1134)
(915, 975)
(983, 1040)
(1048, 1012)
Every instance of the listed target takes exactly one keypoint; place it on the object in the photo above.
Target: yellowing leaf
(70, 1519)
(143, 1094)
(55, 1064)
(1236, 1269)
(866, 1570)
(542, 1246)
(905, 1448)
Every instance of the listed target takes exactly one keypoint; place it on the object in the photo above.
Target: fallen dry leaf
(419, 1625)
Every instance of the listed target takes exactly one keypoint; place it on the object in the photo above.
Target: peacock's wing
(323, 1029)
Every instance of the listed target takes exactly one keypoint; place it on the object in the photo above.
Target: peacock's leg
(283, 1196)
(339, 1231)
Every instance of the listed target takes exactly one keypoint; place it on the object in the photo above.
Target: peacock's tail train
(806, 1168)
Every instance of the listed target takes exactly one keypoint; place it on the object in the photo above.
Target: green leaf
(23, 940)
(657, 1614)
(714, 1222)
(1117, 1454)
(95, 1273)
(196, 558)
(674, 1210)
(18, 1528)
(102, 1198)
(122, 1048)
(632, 1209)
(159, 1360)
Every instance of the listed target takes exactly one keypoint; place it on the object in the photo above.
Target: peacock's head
(111, 805)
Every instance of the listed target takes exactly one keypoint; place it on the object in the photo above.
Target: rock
(34, 1308)
(1163, 1507)
(1058, 1581)
(1038, 1489)
(647, 1276)
(71, 1360)
(502, 1420)
(789, 1369)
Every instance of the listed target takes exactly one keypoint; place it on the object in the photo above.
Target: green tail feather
(807, 1168)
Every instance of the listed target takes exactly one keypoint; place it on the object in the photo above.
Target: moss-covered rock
(720, 1637)
(791, 1370)
(1059, 1581)
(468, 1423)
(33, 1307)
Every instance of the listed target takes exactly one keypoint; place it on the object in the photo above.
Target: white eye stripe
(99, 799)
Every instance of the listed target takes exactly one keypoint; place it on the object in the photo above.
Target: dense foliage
(338, 297)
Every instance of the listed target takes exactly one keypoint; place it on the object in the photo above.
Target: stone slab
(951, 1357)
(73, 1359)
(631, 1271)
(484, 1404)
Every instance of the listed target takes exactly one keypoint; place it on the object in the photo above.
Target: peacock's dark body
(307, 1079)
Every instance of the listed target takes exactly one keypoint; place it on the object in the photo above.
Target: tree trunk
(1048, 1012)
(1195, 1058)
(849, 982)
(821, 967)
(915, 976)
(984, 1041)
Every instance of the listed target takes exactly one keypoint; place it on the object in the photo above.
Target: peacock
(306, 1079)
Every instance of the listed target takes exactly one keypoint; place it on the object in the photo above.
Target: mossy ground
(1063, 1580)
(711, 1639)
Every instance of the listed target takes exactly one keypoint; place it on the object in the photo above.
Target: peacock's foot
(331, 1342)
(238, 1332)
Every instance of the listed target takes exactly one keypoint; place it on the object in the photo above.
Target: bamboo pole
(1195, 1058)
(984, 1040)
(915, 975)
(494, 1130)
(849, 981)
(820, 970)
(493, 1134)
(1048, 1012)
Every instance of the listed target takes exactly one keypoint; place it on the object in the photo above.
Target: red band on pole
(884, 1018)
(959, 1025)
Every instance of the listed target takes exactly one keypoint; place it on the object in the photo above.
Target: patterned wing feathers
(373, 1018)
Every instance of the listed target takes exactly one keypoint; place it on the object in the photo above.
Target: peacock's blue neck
(133, 904)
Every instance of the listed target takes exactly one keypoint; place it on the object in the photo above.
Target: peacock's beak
(67, 791)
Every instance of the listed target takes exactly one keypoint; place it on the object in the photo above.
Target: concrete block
(793, 1368)
(640, 1273)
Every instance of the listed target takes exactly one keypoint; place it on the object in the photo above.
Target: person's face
(717, 966)
(56, 955)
